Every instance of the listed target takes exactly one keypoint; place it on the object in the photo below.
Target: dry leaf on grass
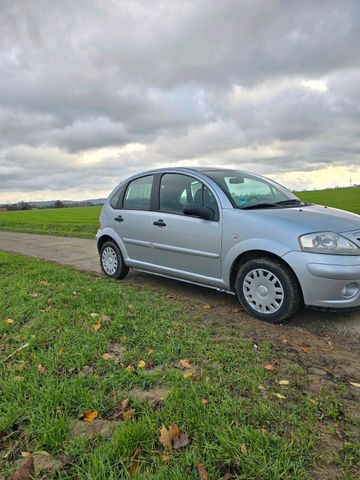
(94, 315)
(185, 364)
(356, 385)
(141, 364)
(187, 374)
(107, 356)
(202, 472)
(262, 391)
(278, 395)
(269, 367)
(96, 326)
(89, 416)
(129, 369)
(172, 438)
(243, 449)
(284, 382)
(166, 458)
(41, 368)
(35, 294)
(227, 476)
(134, 462)
(105, 318)
(25, 472)
(122, 411)
(204, 401)
(9, 321)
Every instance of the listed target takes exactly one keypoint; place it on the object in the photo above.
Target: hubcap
(109, 260)
(263, 291)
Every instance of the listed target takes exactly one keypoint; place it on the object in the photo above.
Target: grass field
(74, 347)
(83, 221)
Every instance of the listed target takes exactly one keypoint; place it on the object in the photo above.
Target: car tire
(268, 290)
(112, 262)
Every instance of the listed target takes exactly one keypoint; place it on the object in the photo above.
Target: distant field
(83, 221)
(72, 222)
(344, 198)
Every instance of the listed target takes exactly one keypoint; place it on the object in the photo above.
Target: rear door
(185, 246)
(133, 221)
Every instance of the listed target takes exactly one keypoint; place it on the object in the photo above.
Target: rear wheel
(112, 262)
(268, 290)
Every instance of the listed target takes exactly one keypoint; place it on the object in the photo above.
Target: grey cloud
(79, 76)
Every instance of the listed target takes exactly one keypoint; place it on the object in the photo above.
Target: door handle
(160, 223)
(119, 218)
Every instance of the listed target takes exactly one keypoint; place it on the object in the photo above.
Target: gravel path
(82, 254)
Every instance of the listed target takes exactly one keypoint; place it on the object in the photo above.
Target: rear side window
(116, 198)
(138, 194)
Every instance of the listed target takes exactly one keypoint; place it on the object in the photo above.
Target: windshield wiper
(259, 205)
(292, 201)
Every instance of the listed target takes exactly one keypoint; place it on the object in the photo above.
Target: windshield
(250, 191)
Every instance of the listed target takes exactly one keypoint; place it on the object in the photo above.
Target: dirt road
(82, 254)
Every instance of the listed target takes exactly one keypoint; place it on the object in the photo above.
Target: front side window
(178, 191)
(249, 191)
(138, 194)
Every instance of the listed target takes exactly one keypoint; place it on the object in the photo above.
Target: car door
(133, 221)
(185, 246)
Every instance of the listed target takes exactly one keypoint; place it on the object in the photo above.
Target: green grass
(52, 309)
(84, 221)
(73, 222)
(343, 198)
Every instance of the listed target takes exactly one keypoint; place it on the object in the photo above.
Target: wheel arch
(251, 254)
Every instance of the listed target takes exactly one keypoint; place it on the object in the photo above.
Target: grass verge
(71, 343)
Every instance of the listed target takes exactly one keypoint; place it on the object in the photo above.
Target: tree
(59, 204)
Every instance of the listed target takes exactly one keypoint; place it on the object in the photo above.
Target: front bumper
(328, 281)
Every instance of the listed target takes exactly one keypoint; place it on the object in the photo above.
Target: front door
(186, 246)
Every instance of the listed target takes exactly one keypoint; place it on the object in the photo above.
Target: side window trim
(157, 194)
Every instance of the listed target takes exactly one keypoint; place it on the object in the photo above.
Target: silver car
(236, 232)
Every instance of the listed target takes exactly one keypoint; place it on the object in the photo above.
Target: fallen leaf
(131, 315)
(243, 449)
(35, 294)
(105, 318)
(94, 315)
(89, 416)
(202, 472)
(227, 476)
(236, 310)
(181, 441)
(96, 326)
(107, 356)
(141, 364)
(41, 368)
(165, 438)
(204, 401)
(269, 367)
(356, 385)
(129, 369)
(207, 306)
(284, 382)
(128, 414)
(278, 395)
(150, 351)
(26, 454)
(134, 462)
(25, 472)
(185, 363)
(187, 374)
(9, 321)
(166, 458)
(61, 351)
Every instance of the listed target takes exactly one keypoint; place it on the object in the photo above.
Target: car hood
(312, 218)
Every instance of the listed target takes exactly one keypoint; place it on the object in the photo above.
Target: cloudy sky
(94, 90)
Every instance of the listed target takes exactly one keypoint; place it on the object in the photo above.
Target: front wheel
(112, 262)
(268, 290)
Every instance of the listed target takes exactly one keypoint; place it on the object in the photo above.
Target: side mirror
(204, 213)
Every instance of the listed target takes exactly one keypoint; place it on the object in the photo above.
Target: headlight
(328, 242)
